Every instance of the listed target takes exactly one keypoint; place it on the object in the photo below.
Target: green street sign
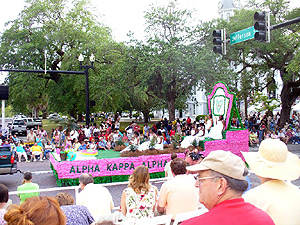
(242, 35)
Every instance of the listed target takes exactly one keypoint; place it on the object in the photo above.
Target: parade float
(108, 166)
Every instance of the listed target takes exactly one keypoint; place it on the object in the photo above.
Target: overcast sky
(123, 16)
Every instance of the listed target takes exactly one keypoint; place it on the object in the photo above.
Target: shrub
(136, 115)
(199, 116)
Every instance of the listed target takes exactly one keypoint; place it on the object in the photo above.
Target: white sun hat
(273, 160)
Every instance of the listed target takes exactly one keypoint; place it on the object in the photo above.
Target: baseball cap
(223, 162)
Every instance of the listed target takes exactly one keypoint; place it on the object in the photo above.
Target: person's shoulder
(192, 221)
(35, 185)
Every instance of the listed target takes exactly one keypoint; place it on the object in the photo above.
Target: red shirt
(188, 120)
(232, 212)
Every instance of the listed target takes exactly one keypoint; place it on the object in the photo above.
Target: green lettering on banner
(144, 163)
(90, 169)
(121, 166)
(84, 168)
(159, 163)
(78, 171)
(165, 163)
(72, 170)
(153, 164)
(126, 166)
(149, 165)
(131, 166)
(108, 167)
(97, 168)
(115, 167)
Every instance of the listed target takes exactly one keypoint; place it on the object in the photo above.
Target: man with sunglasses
(221, 182)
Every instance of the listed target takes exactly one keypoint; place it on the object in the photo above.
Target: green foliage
(195, 143)
(120, 142)
(176, 140)
(132, 147)
(263, 103)
(151, 115)
(200, 116)
(64, 29)
(258, 63)
(173, 59)
(136, 115)
(152, 143)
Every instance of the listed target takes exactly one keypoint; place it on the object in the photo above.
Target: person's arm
(162, 200)
(123, 204)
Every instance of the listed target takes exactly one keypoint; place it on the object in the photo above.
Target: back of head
(178, 166)
(86, 178)
(64, 198)
(173, 156)
(34, 211)
(3, 193)
(139, 180)
(27, 175)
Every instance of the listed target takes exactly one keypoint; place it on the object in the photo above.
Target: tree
(176, 61)
(263, 61)
(64, 30)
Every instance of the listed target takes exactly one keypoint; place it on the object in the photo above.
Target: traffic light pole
(289, 22)
(63, 72)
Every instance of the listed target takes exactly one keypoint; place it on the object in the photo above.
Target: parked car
(38, 122)
(18, 126)
(32, 123)
(53, 116)
(8, 164)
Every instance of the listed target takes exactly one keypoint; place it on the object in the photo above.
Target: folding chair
(164, 219)
(187, 215)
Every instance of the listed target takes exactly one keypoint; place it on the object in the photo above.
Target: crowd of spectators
(220, 186)
(262, 127)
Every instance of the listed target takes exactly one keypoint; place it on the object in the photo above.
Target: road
(42, 175)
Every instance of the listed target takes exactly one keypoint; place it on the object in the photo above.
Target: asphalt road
(43, 175)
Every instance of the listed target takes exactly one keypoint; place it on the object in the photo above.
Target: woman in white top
(216, 131)
(208, 124)
(160, 141)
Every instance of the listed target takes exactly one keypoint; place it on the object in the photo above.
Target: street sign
(242, 35)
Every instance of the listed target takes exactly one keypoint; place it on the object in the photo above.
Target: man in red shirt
(221, 182)
(188, 121)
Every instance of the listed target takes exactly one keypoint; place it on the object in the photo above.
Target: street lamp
(87, 93)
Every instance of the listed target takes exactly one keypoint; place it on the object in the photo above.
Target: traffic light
(262, 26)
(4, 93)
(219, 41)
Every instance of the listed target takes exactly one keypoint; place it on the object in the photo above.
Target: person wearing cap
(221, 182)
(179, 194)
(274, 165)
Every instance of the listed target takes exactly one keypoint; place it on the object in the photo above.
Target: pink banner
(109, 167)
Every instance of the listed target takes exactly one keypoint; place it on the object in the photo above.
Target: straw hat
(273, 160)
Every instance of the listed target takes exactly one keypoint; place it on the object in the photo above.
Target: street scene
(150, 112)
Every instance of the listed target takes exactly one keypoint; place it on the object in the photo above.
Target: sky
(123, 16)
